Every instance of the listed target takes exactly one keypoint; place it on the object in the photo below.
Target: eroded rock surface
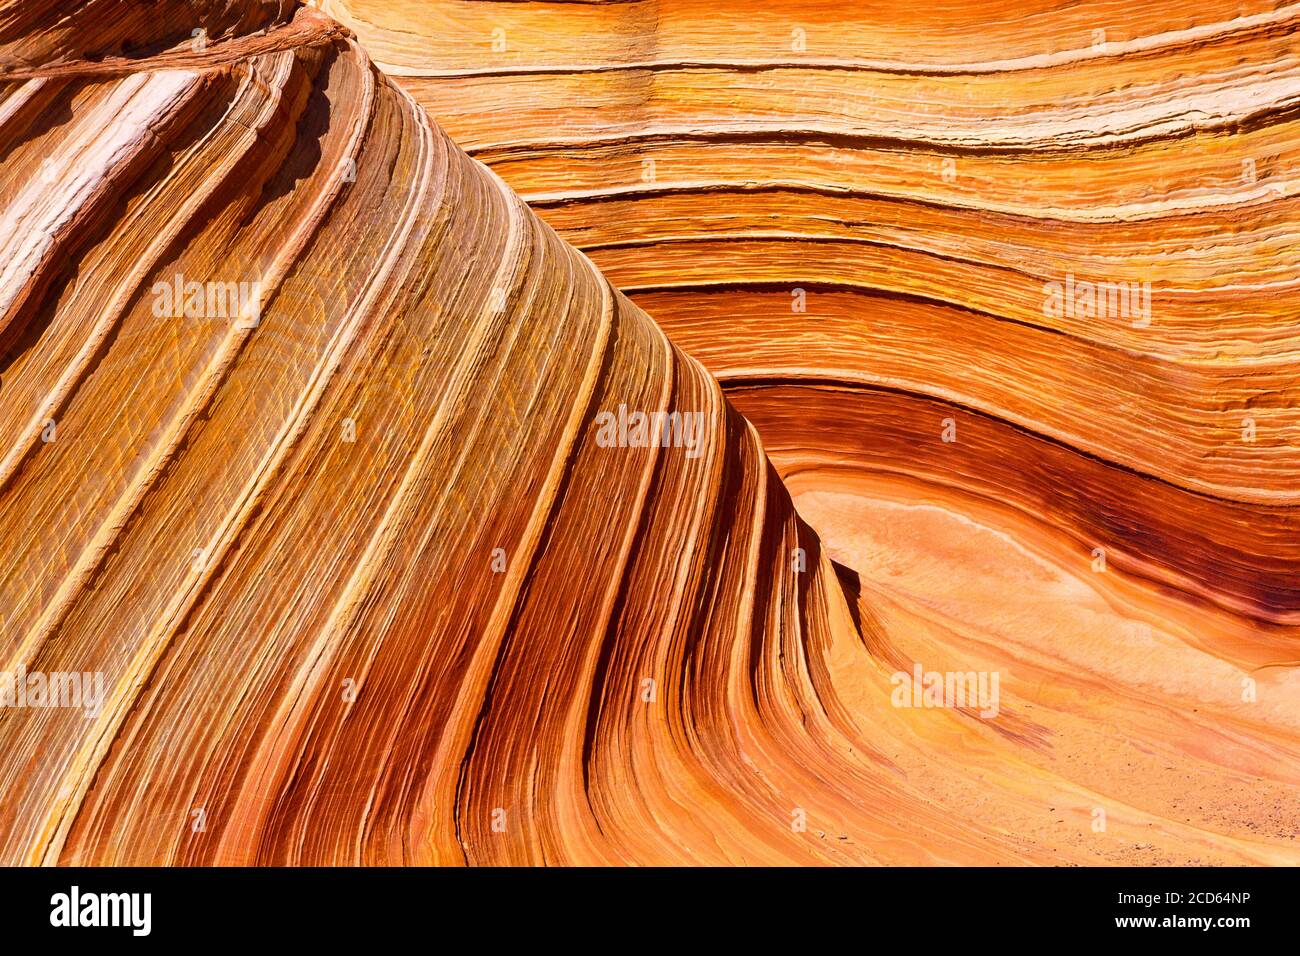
(324, 450)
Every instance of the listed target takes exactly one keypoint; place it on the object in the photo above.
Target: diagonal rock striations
(397, 534)
(1010, 297)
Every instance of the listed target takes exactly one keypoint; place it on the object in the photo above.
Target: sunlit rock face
(1010, 295)
(376, 525)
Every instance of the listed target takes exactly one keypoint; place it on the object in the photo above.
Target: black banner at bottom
(331, 906)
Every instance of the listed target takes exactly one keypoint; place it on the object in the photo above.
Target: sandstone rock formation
(400, 535)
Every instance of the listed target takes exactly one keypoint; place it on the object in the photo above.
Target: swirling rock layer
(378, 566)
(874, 226)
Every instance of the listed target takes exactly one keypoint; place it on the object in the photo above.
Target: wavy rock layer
(870, 224)
(364, 585)
(367, 582)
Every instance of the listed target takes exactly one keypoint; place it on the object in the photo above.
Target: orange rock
(376, 526)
